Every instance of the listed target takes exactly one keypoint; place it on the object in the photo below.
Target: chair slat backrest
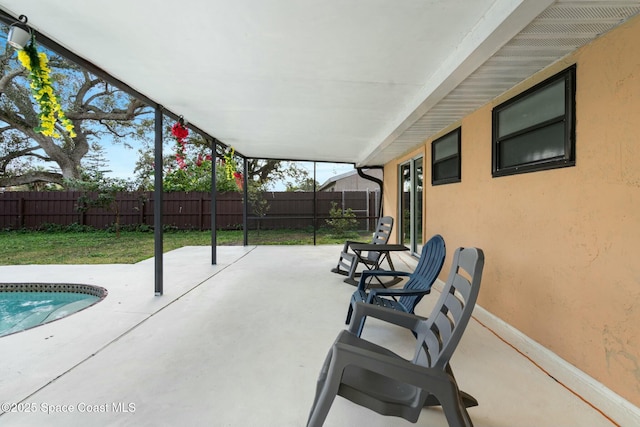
(426, 272)
(383, 231)
(381, 236)
(440, 333)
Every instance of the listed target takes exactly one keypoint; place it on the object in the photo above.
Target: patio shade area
(239, 343)
(358, 82)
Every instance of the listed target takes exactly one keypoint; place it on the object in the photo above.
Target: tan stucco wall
(562, 246)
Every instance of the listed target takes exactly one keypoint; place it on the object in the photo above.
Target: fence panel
(271, 210)
(11, 211)
(228, 211)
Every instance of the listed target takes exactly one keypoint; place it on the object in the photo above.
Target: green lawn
(101, 247)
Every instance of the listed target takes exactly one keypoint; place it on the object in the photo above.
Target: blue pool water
(23, 310)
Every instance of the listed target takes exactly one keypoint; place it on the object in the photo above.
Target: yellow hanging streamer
(40, 83)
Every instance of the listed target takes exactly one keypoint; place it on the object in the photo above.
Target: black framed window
(445, 158)
(536, 129)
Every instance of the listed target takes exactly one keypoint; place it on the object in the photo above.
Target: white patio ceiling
(358, 81)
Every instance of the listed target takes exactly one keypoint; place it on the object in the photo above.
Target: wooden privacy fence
(185, 211)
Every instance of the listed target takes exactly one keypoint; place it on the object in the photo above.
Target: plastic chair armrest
(348, 243)
(397, 292)
(396, 317)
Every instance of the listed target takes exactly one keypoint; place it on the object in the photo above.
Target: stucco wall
(562, 246)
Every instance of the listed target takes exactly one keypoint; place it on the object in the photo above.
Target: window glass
(417, 244)
(405, 204)
(542, 144)
(536, 108)
(445, 152)
(411, 192)
(536, 130)
(446, 169)
(446, 146)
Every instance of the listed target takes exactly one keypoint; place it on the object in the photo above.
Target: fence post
(368, 211)
(21, 204)
(141, 204)
(377, 213)
(83, 212)
(201, 212)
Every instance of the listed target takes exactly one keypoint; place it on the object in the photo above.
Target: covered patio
(239, 343)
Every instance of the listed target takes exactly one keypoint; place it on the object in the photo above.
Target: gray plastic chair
(348, 261)
(419, 283)
(377, 378)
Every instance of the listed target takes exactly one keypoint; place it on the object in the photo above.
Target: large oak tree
(97, 110)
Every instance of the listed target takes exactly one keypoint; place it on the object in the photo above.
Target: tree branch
(7, 78)
(111, 129)
(91, 112)
(19, 153)
(27, 152)
(31, 177)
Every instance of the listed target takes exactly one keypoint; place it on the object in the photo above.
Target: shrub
(60, 228)
(342, 221)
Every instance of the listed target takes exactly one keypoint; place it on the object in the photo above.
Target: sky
(122, 162)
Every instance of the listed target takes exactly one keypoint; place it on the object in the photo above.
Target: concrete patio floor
(236, 344)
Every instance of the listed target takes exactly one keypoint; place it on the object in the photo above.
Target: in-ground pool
(26, 305)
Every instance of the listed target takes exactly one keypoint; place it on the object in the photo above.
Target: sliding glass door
(411, 187)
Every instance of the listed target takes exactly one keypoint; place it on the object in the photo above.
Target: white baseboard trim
(595, 393)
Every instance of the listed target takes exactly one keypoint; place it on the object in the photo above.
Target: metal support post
(158, 200)
(214, 199)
